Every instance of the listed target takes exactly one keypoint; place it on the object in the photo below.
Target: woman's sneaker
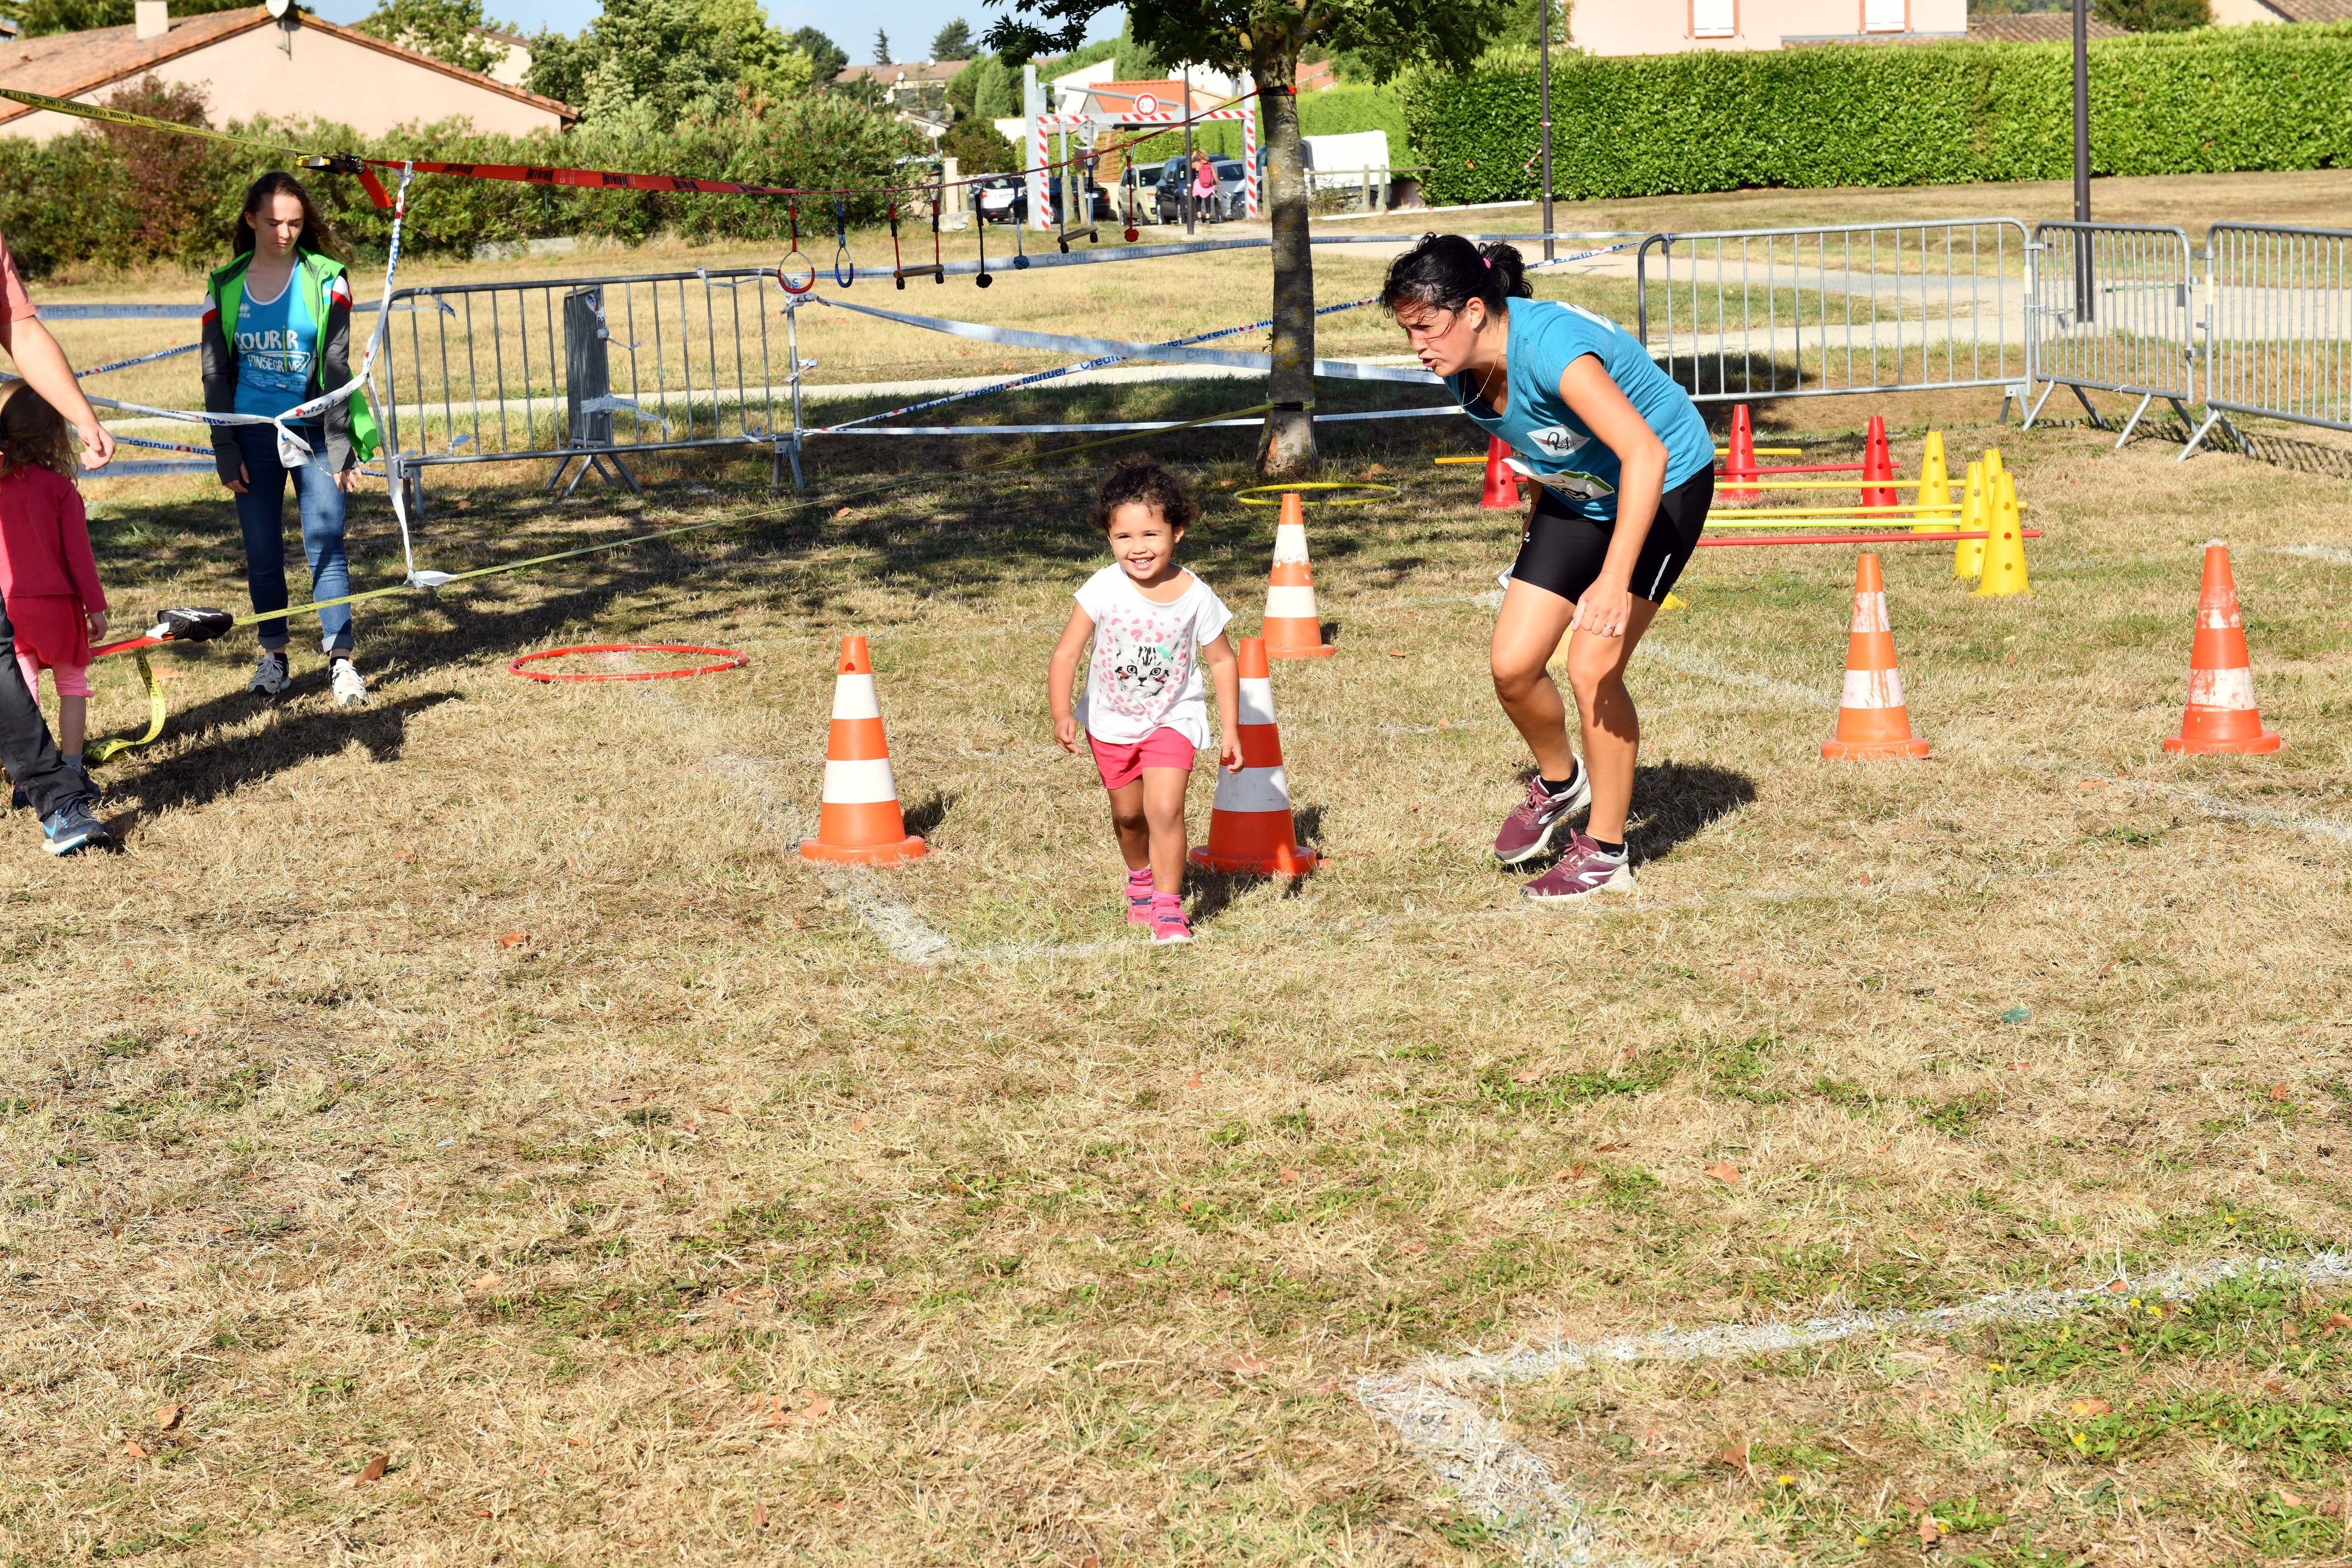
(1583, 869)
(349, 688)
(1529, 831)
(1139, 896)
(1167, 921)
(270, 675)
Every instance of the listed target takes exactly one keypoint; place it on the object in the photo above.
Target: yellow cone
(1967, 554)
(2004, 557)
(1994, 467)
(1934, 483)
(1672, 600)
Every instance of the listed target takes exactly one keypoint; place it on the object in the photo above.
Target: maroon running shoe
(1529, 831)
(1582, 870)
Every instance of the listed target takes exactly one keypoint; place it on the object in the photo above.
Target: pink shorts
(72, 679)
(1122, 765)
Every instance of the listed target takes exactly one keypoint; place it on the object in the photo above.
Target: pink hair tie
(1489, 261)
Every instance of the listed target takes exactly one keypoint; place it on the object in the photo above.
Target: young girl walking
(49, 578)
(1153, 625)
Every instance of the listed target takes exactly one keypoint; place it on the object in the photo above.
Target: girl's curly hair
(1141, 480)
(34, 435)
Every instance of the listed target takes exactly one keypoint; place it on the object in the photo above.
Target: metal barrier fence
(2112, 312)
(2278, 327)
(588, 370)
(1816, 313)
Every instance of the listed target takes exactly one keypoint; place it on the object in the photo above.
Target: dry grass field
(463, 1130)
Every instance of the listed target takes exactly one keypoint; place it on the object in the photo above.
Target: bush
(822, 142)
(2209, 102)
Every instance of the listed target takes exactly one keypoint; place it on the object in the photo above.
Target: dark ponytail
(1445, 272)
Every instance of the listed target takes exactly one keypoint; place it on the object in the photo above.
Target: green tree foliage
(977, 149)
(2164, 103)
(881, 47)
(954, 42)
(558, 66)
(1266, 38)
(827, 59)
(2154, 16)
(35, 18)
(448, 30)
(664, 60)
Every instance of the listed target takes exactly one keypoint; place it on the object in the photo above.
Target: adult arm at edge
(46, 371)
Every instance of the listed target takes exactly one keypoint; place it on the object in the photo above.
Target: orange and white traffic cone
(1872, 720)
(1249, 829)
(1502, 487)
(1739, 462)
(1877, 463)
(2221, 712)
(1292, 630)
(859, 823)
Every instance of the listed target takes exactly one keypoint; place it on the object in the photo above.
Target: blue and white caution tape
(1096, 363)
(1054, 342)
(1435, 412)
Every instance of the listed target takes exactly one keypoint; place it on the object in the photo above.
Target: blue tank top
(1544, 337)
(277, 345)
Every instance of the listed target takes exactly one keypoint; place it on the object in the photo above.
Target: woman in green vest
(277, 333)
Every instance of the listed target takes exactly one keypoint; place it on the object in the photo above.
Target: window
(1714, 18)
(1885, 15)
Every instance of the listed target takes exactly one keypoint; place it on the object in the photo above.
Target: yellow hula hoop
(1248, 497)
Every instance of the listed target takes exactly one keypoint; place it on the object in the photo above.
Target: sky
(911, 24)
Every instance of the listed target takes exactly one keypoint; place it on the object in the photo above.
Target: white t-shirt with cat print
(1145, 671)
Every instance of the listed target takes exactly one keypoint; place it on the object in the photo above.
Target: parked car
(1175, 183)
(1004, 198)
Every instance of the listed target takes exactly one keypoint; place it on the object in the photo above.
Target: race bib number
(1556, 441)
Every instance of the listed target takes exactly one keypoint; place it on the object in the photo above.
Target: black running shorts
(1562, 551)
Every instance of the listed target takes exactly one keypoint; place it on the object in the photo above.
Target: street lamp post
(2082, 298)
(1544, 8)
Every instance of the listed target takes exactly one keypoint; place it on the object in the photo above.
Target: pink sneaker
(1139, 896)
(1167, 921)
(1582, 871)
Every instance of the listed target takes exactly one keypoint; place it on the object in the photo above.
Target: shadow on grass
(1677, 801)
(923, 817)
(1218, 889)
(198, 778)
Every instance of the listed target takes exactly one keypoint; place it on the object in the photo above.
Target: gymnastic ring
(729, 659)
(786, 284)
(1247, 497)
(845, 270)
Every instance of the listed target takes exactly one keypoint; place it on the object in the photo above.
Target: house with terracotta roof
(2227, 12)
(2036, 27)
(250, 63)
(1678, 26)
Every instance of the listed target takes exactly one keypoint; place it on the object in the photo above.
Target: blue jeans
(261, 513)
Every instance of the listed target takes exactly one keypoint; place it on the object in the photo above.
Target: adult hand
(1603, 610)
(238, 483)
(1065, 733)
(97, 619)
(96, 446)
(348, 481)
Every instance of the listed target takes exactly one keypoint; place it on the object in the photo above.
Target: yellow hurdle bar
(1731, 482)
(1767, 451)
(1810, 511)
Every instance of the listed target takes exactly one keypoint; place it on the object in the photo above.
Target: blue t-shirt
(277, 345)
(1544, 337)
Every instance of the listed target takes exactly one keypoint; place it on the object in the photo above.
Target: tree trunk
(1287, 447)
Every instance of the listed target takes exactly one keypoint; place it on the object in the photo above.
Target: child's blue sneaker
(73, 826)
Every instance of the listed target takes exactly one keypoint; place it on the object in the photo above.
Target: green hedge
(2213, 100)
(824, 141)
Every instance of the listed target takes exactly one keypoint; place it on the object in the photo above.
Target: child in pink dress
(47, 575)
(1154, 625)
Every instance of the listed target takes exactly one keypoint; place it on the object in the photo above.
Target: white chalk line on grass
(2326, 552)
(1512, 1489)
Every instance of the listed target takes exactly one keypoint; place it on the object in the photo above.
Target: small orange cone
(1292, 627)
(1249, 829)
(1739, 463)
(1502, 489)
(859, 822)
(1872, 720)
(1877, 463)
(2221, 712)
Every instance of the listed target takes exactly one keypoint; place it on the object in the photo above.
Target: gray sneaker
(271, 676)
(1582, 870)
(1529, 831)
(74, 827)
